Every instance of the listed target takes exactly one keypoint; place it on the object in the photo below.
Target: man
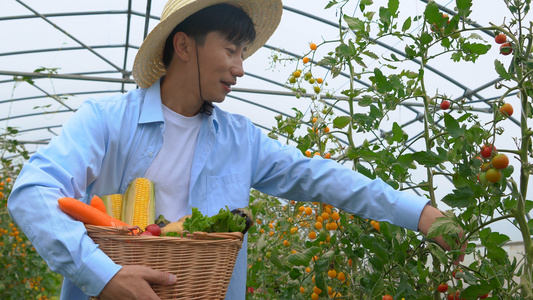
(196, 154)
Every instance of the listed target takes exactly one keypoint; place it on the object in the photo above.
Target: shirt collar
(152, 110)
(212, 120)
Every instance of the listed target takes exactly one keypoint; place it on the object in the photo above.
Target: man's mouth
(228, 85)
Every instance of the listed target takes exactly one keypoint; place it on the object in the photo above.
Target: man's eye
(231, 51)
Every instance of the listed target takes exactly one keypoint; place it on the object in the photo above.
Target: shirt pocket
(232, 190)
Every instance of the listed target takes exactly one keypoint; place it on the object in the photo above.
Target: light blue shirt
(113, 140)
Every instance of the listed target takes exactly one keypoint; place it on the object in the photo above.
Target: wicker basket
(203, 262)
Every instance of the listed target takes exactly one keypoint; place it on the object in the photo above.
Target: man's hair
(231, 21)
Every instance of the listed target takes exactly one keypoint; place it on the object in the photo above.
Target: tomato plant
(25, 274)
(376, 257)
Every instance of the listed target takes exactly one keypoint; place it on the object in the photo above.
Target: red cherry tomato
(500, 38)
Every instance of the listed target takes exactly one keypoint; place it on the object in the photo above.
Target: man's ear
(183, 46)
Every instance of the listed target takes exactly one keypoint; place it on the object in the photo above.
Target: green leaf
(277, 262)
(452, 126)
(500, 69)
(393, 6)
(354, 23)
(430, 159)
(528, 206)
(406, 24)
(476, 48)
(409, 51)
(382, 83)
(330, 4)
(397, 132)
(369, 155)
(462, 197)
(365, 171)
(474, 291)
(442, 226)
(438, 253)
(341, 122)
(371, 54)
(385, 16)
(432, 13)
(498, 239)
(463, 7)
(197, 222)
(425, 38)
(405, 160)
(496, 253)
(365, 101)
(327, 62)
(299, 259)
(294, 273)
(380, 251)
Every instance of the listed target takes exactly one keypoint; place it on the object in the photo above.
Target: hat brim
(148, 65)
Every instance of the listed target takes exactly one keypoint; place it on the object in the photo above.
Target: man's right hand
(133, 282)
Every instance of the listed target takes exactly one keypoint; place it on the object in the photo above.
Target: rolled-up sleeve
(283, 171)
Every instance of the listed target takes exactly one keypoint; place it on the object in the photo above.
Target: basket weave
(203, 262)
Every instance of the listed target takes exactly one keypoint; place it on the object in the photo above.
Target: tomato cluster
(506, 48)
(492, 165)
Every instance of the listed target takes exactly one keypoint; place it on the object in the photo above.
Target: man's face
(220, 63)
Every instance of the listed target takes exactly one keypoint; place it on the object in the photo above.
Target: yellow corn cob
(113, 205)
(139, 203)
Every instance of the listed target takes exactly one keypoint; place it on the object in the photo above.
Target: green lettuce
(224, 221)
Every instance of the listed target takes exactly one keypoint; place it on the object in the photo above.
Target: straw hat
(148, 65)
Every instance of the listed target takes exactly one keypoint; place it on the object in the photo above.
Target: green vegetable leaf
(341, 122)
(406, 25)
(430, 159)
(354, 23)
(452, 125)
(197, 222)
(443, 226)
(461, 197)
(500, 69)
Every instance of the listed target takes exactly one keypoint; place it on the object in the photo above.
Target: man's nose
(238, 70)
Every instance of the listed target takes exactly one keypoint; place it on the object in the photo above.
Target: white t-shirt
(171, 169)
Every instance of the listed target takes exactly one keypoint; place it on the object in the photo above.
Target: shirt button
(150, 153)
(161, 126)
(84, 289)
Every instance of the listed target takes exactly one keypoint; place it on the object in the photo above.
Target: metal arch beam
(124, 72)
(65, 76)
(55, 98)
(127, 43)
(60, 49)
(60, 95)
(33, 115)
(147, 18)
(77, 13)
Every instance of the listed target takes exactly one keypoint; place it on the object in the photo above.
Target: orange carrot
(97, 202)
(86, 213)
